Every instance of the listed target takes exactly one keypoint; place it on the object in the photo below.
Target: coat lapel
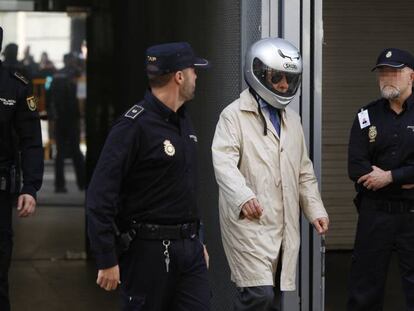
(249, 103)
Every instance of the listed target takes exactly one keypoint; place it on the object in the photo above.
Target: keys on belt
(165, 232)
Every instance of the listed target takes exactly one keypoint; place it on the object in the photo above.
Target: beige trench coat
(279, 173)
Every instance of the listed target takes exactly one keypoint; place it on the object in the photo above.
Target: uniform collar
(160, 108)
(409, 101)
(407, 105)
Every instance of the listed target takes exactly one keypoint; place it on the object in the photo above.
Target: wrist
(390, 180)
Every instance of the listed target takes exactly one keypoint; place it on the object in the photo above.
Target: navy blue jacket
(20, 131)
(146, 173)
(388, 143)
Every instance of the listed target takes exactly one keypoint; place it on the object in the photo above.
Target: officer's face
(188, 86)
(394, 82)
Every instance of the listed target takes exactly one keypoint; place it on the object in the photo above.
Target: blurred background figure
(10, 59)
(66, 112)
(83, 55)
(46, 66)
(46, 71)
(28, 63)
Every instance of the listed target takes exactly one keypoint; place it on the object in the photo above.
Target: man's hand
(206, 256)
(26, 205)
(251, 210)
(376, 179)
(321, 225)
(108, 279)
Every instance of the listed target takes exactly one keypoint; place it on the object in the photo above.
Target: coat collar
(249, 103)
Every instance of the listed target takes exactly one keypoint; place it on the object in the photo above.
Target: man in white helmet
(265, 177)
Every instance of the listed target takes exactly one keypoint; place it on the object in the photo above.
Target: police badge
(31, 103)
(372, 133)
(169, 148)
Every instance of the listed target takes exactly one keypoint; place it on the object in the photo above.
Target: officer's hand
(377, 179)
(206, 257)
(408, 186)
(251, 210)
(108, 279)
(321, 225)
(26, 205)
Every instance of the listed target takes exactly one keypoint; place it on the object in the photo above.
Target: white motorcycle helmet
(269, 61)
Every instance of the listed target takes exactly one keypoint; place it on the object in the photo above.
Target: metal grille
(233, 25)
(251, 13)
(220, 87)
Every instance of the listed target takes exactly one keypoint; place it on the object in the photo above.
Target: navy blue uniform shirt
(146, 172)
(20, 130)
(387, 143)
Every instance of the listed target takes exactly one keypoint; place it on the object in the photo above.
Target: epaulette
(372, 104)
(134, 112)
(20, 77)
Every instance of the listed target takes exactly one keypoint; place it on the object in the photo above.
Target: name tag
(363, 118)
(7, 102)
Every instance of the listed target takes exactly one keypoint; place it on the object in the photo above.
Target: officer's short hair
(157, 81)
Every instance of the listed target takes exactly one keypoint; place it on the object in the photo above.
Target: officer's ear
(179, 77)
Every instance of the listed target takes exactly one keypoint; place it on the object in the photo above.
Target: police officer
(18, 120)
(66, 112)
(143, 190)
(381, 163)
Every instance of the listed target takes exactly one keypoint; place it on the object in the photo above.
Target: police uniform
(20, 135)
(144, 189)
(381, 137)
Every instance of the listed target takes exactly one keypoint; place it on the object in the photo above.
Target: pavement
(50, 272)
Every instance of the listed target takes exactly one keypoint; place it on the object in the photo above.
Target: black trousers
(378, 234)
(67, 142)
(263, 298)
(147, 286)
(6, 245)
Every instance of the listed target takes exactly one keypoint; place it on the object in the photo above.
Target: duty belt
(392, 207)
(147, 231)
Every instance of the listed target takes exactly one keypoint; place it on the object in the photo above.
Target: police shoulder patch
(135, 111)
(20, 77)
(32, 103)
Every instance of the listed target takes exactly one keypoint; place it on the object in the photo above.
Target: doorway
(49, 257)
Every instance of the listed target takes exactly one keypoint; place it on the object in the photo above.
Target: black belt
(164, 232)
(392, 207)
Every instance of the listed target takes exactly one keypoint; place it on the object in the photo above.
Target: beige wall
(355, 32)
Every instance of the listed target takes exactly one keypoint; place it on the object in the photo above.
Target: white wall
(48, 32)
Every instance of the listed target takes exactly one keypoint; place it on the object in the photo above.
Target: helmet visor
(279, 82)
